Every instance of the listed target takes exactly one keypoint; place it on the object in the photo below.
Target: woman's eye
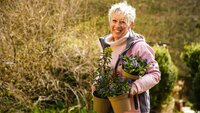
(122, 22)
(114, 21)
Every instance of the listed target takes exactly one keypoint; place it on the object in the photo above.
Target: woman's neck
(116, 42)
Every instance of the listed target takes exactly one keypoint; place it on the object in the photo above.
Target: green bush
(162, 91)
(196, 91)
(191, 56)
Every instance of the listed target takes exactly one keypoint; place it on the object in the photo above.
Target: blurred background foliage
(191, 57)
(48, 48)
(162, 93)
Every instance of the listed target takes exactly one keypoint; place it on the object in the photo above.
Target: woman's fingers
(93, 88)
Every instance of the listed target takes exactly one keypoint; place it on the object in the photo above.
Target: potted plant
(115, 87)
(119, 93)
(101, 104)
(134, 67)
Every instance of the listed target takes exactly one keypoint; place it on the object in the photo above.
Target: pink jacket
(145, 52)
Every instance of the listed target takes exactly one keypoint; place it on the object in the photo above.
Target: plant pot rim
(97, 96)
(127, 75)
(120, 97)
(100, 99)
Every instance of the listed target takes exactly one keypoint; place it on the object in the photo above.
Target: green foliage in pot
(134, 65)
(108, 83)
(103, 73)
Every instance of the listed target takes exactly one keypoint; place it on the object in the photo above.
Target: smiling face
(119, 26)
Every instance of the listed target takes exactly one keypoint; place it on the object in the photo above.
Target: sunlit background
(48, 52)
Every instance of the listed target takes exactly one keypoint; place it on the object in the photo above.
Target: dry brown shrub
(43, 64)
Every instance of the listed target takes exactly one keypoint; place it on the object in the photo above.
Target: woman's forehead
(118, 16)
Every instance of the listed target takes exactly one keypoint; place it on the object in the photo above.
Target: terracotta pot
(127, 75)
(120, 104)
(101, 105)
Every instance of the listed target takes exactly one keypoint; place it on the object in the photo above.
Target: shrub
(162, 91)
(196, 91)
(43, 63)
(191, 56)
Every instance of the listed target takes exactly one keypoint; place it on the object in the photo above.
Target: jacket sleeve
(153, 75)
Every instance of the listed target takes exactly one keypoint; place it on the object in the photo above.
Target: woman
(121, 19)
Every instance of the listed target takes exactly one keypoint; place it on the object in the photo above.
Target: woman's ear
(132, 24)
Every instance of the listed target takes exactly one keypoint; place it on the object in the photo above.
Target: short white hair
(123, 8)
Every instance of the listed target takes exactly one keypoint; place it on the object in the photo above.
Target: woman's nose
(118, 24)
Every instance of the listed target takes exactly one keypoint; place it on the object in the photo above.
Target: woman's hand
(93, 88)
(133, 90)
